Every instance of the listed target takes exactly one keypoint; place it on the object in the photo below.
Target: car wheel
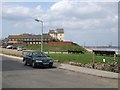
(25, 63)
(50, 66)
(33, 64)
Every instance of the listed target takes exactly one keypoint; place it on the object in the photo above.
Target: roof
(59, 30)
(52, 31)
(28, 36)
(19, 36)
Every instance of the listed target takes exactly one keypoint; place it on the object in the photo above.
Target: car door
(26, 57)
(30, 58)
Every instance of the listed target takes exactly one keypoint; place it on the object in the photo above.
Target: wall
(60, 43)
(11, 52)
(67, 43)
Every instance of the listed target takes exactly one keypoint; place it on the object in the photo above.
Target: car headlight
(51, 61)
(38, 61)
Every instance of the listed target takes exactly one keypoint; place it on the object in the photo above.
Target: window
(27, 54)
(33, 42)
(30, 42)
(36, 42)
(10, 40)
(27, 39)
(30, 53)
(24, 39)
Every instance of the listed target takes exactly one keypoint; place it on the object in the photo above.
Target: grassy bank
(81, 58)
(56, 48)
(78, 58)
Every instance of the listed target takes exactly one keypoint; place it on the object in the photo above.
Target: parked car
(9, 47)
(36, 58)
(14, 47)
(3, 46)
(20, 48)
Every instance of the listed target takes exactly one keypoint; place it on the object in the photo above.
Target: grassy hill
(82, 58)
(56, 48)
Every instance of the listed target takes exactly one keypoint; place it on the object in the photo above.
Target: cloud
(72, 16)
(14, 13)
(20, 13)
(83, 15)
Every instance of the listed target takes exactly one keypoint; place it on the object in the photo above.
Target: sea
(117, 50)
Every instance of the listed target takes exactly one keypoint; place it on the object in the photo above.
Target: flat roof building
(57, 34)
(53, 35)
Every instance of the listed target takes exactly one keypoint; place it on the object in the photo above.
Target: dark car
(35, 59)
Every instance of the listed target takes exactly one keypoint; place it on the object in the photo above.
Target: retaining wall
(11, 52)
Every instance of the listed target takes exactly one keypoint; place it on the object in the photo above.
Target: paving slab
(90, 71)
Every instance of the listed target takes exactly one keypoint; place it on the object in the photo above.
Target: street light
(41, 34)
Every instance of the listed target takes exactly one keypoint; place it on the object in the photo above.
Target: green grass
(56, 48)
(80, 58)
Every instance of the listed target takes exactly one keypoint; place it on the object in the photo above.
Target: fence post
(114, 60)
(93, 66)
(48, 52)
(114, 57)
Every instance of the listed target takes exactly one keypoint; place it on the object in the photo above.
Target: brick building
(29, 39)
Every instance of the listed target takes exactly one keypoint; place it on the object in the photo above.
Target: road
(16, 75)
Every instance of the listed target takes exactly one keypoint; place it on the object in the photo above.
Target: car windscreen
(39, 54)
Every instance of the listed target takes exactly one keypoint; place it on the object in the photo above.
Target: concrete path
(89, 71)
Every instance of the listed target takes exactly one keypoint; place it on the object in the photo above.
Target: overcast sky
(89, 23)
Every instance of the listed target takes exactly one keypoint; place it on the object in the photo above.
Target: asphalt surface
(16, 75)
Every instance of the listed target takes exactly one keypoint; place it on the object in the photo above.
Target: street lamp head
(42, 34)
(38, 20)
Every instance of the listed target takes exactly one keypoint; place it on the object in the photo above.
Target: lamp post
(41, 34)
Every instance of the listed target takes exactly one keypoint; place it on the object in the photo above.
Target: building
(4, 42)
(29, 39)
(57, 34)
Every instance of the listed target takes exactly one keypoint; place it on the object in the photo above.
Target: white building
(57, 34)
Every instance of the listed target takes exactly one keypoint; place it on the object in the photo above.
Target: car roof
(28, 51)
(35, 51)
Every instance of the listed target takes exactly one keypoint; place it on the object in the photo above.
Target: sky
(85, 23)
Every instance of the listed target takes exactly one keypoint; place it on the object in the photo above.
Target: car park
(36, 58)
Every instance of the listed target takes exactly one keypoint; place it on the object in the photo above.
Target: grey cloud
(82, 19)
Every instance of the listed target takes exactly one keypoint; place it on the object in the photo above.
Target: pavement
(95, 72)
(90, 71)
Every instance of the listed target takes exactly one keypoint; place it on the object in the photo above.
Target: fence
(21, 53)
